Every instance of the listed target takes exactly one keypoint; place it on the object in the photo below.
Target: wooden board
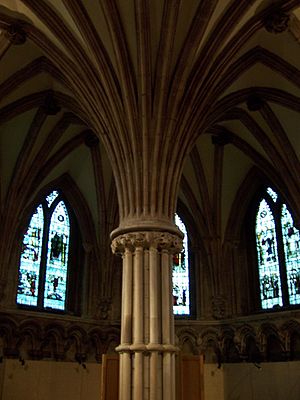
(110, 377)
(191, 377)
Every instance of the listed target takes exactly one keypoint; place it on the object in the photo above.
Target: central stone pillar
(147, 350)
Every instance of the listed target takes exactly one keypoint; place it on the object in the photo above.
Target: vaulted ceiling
(217, 82)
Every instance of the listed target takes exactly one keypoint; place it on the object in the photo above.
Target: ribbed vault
(151, 77)
(187, 97)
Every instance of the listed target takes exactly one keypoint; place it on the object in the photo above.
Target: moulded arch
(84, 234)
(53, 344)
(210, 346)
(248, 194)
(188, 340)
(77, 340)
(37, 99)
(112, 343)
(33, 330)
(10, 335)
(101, 340)
(291, 334)
(269, 94)
(271, 342)
(78, 204)
(243, 334)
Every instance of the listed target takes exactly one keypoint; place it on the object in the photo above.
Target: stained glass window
(181, 291)
(291, 241)
(51, 197)
(268, 266)
(278, 253)
(57, 263)
(43, 268)
(29, 270)
(272, 194)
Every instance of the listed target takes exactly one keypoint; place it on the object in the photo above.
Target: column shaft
(166, 325)
(126, 317)
(138, 311)
(147, 349)
(126, 331)
(154, 280)
(155, 327)
(166, 306)
(138, 323)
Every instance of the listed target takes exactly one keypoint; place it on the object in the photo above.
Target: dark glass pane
(291, 241)
(268, 265)
(30, 261)
(57, 259)
(181, 292)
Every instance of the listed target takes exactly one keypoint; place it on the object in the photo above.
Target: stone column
(147, 350)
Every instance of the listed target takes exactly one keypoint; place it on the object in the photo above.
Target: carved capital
(3, 284)
(16, 34)
(90, 139)
(222, 139)
(51, 105)
(294, 27)
(159, 240)
(254, 102)
(87, 247)
(277, 22)
(219, 307)
(103, 308)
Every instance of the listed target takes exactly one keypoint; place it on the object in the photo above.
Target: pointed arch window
(278, 253)
(44, 261)
(181, 286)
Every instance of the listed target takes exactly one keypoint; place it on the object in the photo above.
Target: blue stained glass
(51, 197)
(28, 281)
(57, 259)
(291, 242)
(274, 195)
(181, 292)
(268, 265)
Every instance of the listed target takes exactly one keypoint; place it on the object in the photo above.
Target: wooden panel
(189, 377)
(191, 382)
(110, 377)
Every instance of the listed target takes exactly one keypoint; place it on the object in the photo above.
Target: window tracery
(181, 291)
(278, 253)
(43, 267)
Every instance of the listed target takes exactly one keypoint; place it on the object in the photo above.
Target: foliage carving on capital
(146, 240)
(169, 242)
(3, 284)
(277, 22)
(103, 309)
(219, 307)
(16, 34)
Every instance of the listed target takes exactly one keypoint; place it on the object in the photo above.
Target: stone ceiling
(214, 81)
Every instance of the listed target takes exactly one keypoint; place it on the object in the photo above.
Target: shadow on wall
(49, 380)
(265, 381)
